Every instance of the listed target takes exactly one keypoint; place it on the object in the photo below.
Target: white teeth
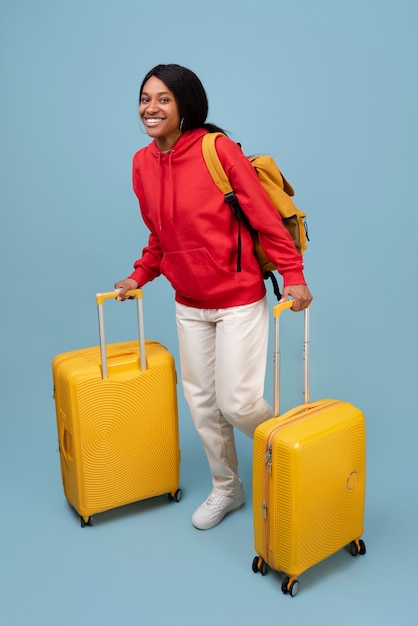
(153, 120)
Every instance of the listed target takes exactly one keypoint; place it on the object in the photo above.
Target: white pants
(223, 362)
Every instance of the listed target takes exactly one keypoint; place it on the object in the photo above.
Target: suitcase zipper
(267, 464)
(268, 460)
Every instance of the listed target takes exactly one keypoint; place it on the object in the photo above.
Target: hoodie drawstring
(170, 195)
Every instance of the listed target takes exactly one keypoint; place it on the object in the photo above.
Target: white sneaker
(214, 509)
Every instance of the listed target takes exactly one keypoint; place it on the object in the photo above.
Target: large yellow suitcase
(117, 421)
(309, 471)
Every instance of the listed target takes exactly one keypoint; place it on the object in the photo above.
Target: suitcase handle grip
(282, 306)
(277, 311)
(100, 299)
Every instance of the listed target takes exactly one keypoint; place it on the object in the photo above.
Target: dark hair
(189, 93)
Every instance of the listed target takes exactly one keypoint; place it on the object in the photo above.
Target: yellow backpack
(278, 190)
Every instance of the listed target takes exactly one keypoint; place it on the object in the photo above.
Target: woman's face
(159, 113)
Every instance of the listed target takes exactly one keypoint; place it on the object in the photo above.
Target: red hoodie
(193, 239)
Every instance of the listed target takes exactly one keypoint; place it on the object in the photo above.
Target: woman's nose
(152, 106)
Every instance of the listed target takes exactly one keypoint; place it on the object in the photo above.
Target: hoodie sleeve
(262, 215)
(148, 266)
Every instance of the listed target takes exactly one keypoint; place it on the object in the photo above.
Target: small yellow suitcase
(309, 471)
(117, 421)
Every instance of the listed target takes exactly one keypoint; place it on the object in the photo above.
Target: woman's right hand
(125, 285)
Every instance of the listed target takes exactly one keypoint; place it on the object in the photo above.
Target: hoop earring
(141, 128)
(181, 124)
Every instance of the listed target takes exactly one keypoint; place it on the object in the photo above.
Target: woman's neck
(165, 145)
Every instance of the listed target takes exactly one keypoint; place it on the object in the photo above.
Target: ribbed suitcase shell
(308, 498)
(118, 436)
(309, 476)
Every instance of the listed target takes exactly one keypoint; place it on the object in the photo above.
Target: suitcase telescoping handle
(100, 298)
(277, 311)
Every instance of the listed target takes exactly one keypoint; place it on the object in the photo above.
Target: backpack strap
(220, 179)
(214, 164)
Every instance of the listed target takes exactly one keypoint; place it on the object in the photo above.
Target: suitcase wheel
(86, 521)
(259, 565)
(177, 496)
(290, 586)
(357, 547)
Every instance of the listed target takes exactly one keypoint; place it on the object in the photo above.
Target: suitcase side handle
(100, 299)
(277, 311)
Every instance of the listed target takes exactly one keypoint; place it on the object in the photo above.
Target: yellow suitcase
(117, 421)
(309, 471)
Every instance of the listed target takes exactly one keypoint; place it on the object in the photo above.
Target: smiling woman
(159, 113)
(221, 314)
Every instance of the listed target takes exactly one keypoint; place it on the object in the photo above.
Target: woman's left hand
(300, 295)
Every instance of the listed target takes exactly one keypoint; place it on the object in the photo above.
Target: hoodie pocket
(195, 274)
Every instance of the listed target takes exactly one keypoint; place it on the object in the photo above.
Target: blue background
(329, 88)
